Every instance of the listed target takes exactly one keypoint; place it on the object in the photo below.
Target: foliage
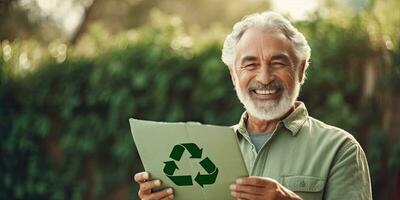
(64, 125)
(63, 117)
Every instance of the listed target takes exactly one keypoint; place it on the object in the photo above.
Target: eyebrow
(248, 59)
(282, 57)
(279, 56)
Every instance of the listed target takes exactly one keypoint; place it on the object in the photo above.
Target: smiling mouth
(270, 91)
(266, 92)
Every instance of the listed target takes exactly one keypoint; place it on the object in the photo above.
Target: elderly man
(289, 154)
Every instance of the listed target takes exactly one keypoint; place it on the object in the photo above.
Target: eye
(249, 66)
(278, 64)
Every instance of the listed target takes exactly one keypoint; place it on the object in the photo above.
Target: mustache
(270, 86)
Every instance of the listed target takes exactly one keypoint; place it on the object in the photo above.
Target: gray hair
(270, 21)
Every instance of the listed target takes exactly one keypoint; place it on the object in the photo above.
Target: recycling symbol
(196, 152)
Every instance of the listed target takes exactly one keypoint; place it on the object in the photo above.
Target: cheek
(288, 79)
(244, 79)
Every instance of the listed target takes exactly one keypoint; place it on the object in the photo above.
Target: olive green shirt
(309, 157)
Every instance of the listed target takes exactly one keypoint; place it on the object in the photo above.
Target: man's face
(266, 73)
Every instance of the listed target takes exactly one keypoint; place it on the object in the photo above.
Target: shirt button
(302, 184)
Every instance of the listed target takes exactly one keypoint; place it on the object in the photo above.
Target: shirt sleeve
(349, 175)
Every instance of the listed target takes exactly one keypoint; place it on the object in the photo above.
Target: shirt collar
(293, 122)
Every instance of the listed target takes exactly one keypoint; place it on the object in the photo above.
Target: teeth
(266, 91)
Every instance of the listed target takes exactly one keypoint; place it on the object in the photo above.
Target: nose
(264, 75)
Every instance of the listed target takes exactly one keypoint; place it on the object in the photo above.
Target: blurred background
(73, 71)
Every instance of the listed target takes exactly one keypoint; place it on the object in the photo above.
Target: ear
(302, 67)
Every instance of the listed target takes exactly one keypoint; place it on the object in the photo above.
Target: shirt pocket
(299, 184)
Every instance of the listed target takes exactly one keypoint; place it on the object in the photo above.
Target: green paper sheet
(198, 161)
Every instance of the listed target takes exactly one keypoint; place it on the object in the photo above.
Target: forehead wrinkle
(261, 50)
(264, 45)
(267, 51)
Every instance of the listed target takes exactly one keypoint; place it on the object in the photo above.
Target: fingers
(142, 177)
(148, 185)
(168, 197)
(163, 194)
(256, 181)
(247, 189)
(244, 196)
(146, 194)
(252, 188)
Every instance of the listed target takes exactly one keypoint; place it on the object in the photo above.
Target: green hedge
(64, 126)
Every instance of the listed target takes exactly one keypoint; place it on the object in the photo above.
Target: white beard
(268, 109)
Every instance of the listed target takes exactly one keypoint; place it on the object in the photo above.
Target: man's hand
(143, 179)
(255, 187)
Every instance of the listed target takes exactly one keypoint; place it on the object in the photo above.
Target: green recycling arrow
(170, 167)
(178, 150)
(195, 152)
(212, 171)
(203, 179)
(181, 180)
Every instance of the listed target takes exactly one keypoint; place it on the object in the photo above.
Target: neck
(256, 125)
